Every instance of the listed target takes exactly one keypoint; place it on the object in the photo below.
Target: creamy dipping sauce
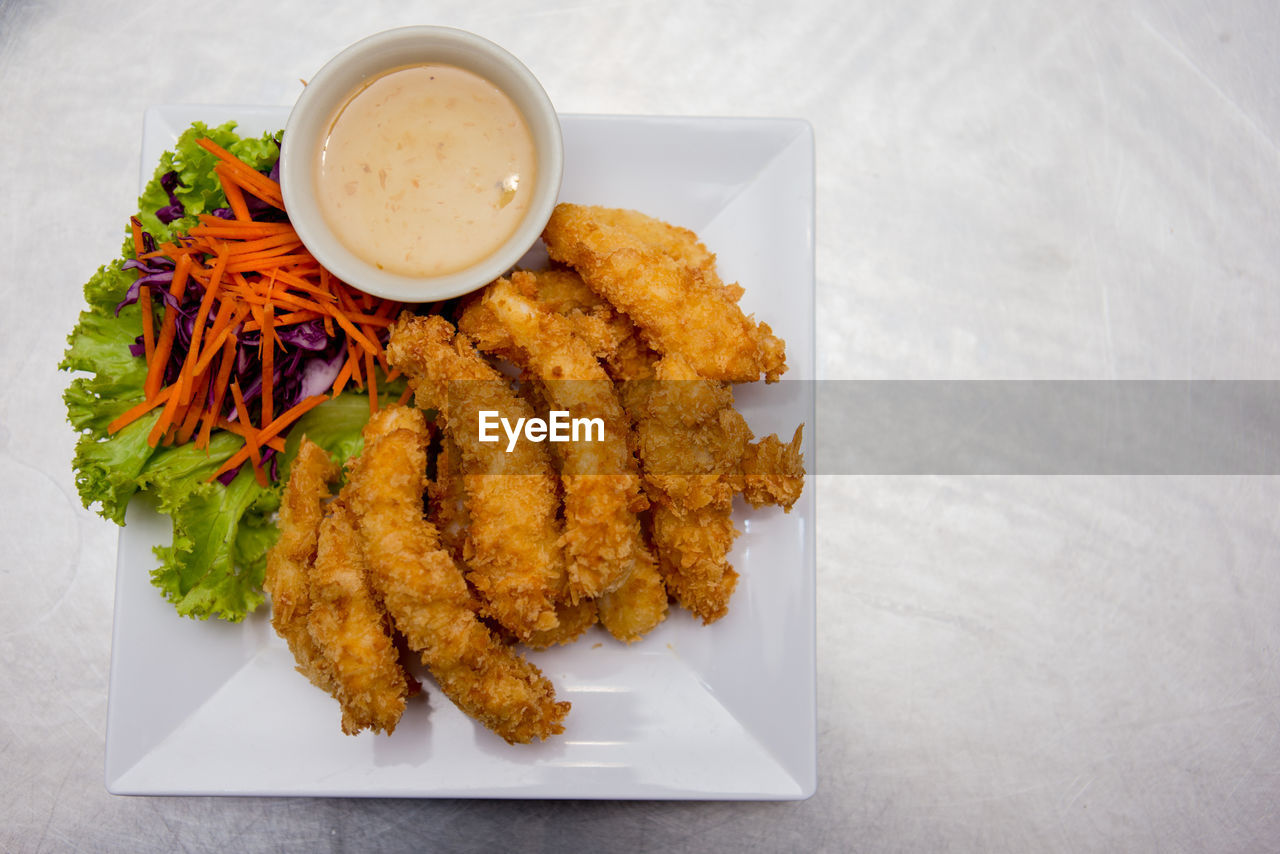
(425, 170)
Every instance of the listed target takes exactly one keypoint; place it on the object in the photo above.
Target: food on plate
(572, 621)
(512, 539)
(288, 575)
(203, 347)
(662, 278)
(691, 441)
(352, 631)
(425, 593)
(237, 381)
(427, 215)
(601, 484)
(447, 499)
(773, 472)
(639, 604)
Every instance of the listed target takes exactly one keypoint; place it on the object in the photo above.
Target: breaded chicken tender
(447, 500)
(352, 631)
(773, 473)
(691, 441)
(574, 618)
(639, 604)
(664, 280)
(425, 592)
(289, 560)
(511, 547)
(601, 484)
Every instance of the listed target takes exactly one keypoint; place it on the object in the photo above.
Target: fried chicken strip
(351, 630)
(447, 500)
(511, 547)
(773, 473)
(289, 561)
(425, 593)
(639, 604)
(601, 483)
(664, 280)
(691, 441)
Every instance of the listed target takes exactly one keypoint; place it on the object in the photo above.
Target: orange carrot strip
(235, 198)
(279, 241)
(197, 334)
(405, 395)
(133, 413)
(267, 350)
(246, 176)
(263, 260)
(213, 338)
(191, 419)
(218, 334)
(161, 427)
(236, 427)
(291, 318)
(214, 226)
(353, 356)
(155, 368)
(251, 434)
(219, 390)
(139, 245)
(287, 299)
(352, 332)
(340, 381)
(273, 429)
(288, 277)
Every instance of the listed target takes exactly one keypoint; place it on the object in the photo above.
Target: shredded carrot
(185, 377)
(213, 413)
(250, 435)
(246, 176)
(235, 198)
(155, 368)
(135, 412)
(271, 431)
(253, 276)
(268, 349)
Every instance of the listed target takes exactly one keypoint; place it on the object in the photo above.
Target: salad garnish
(207, 345)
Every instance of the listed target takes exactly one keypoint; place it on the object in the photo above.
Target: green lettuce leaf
(199, 190)
(221, 534)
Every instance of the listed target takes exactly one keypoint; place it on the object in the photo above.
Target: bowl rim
(377, 54)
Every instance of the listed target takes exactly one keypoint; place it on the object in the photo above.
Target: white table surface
(1033, 190)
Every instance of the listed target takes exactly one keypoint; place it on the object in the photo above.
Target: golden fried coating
(664, 280)
(691, 441)
(693, 546)
(447, 500)
(289, 560)
(574, 620)
(601, 483)
(352, 631)
(511, 549)
(424, 591)
(773, 473)
(639, 605)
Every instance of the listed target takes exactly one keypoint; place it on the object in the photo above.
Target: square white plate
(725, 711)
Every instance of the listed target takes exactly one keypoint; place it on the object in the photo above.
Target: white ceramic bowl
(368, 58)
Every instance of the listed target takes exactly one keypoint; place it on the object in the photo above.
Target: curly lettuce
(215, 564)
